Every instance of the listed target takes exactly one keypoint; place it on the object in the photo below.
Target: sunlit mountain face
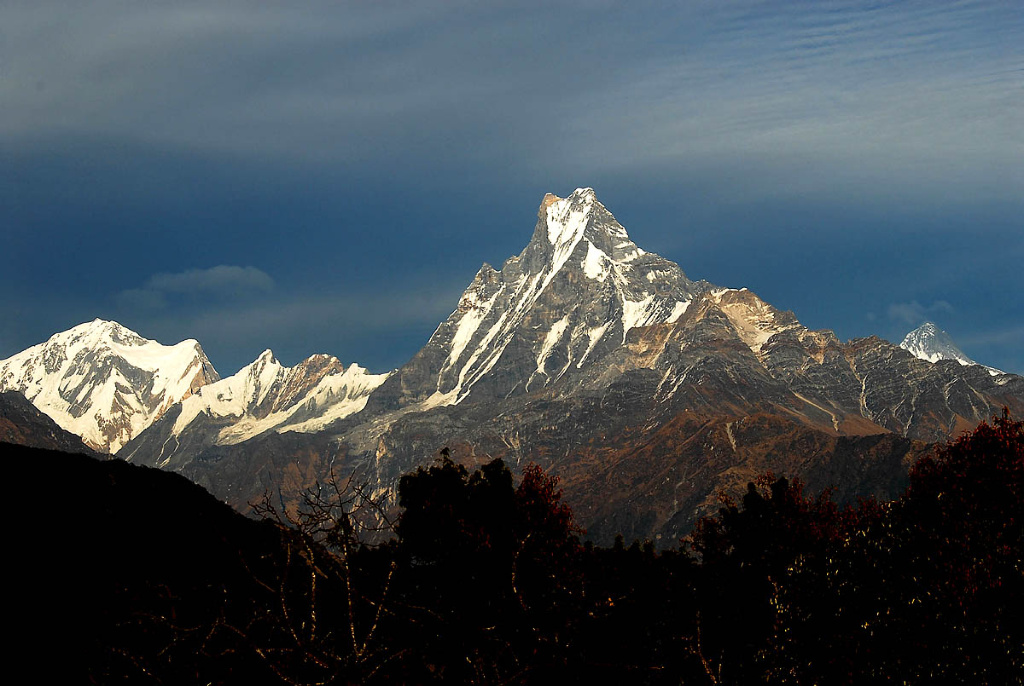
(647, 392)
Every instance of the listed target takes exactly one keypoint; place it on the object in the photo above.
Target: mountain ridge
(647, 393)
(262, 396)
(576, 245)
(104, 382)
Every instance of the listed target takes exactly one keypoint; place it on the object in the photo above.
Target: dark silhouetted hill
(22, 423)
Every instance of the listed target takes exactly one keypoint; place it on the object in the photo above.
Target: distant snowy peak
(104, 382)
(265, 395)
(930, 343)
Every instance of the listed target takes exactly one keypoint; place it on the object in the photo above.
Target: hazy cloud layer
(222, 279)
(914, 313)
(363, 328)
(835, 157)
(216, 283)
(911, 85)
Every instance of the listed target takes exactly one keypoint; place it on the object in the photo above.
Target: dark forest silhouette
(149, 579)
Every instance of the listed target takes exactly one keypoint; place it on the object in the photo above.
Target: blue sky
(327, 177)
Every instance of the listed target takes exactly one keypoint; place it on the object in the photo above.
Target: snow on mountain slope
(601, 361)
(573, 293)
(267, 395)
(104, 382)
(929, 342)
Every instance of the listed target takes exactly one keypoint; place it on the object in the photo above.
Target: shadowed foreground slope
(139, 576)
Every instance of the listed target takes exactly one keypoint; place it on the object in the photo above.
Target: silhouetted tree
(748, 554)
(942, 569)
(922, 590)
(330, 589)
(486, 582)
(488, 570)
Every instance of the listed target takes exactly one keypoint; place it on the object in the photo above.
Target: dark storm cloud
(835, 157)
(883, 89)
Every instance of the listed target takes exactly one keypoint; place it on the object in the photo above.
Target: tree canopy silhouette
(486, 582)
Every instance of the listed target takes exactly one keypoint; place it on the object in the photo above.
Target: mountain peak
(930, 343)
(929, 330)
(568, 298)
(581, 222)
(98, 331)
(547, 201)
(104, 382)
(567, 218)
(266, 357)
(95, 324)
(580, 195)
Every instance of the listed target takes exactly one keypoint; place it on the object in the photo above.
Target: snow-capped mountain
(568, 298)
(263, 396)
(104, 382)
(646, 392)
(929, 342)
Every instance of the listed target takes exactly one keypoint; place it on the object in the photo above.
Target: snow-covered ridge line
(265, 395)
(107, 384)
(104, 382)
(579, 279)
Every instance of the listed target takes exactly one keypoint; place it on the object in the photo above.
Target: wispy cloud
(888, 88)
(828, 99)
(222, 279)
(220, 282)
(1008, 336)
(914, 313)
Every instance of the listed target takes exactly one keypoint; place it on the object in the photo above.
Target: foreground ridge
(485, 574)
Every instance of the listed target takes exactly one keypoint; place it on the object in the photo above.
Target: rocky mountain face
(647, 436)
(929, 342)
(647, 393)
(104, 382)
(264, 396)
(569, 298)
